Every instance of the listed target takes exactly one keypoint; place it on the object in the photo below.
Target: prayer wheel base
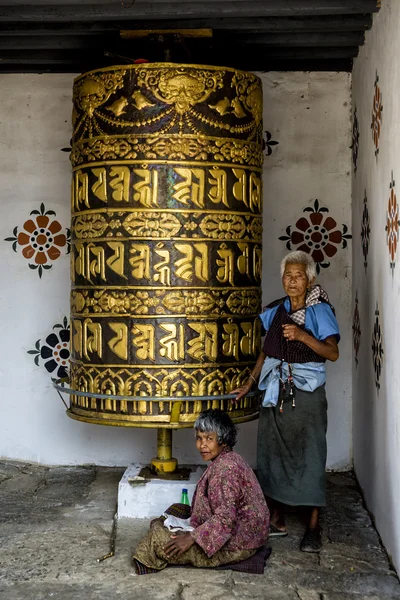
(164, 465)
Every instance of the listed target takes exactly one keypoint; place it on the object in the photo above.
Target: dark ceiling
(258, 35)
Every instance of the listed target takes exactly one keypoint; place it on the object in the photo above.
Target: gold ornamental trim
(166, 65)
(163, 302)
(182, 366)
(112, 421)
(157, 225)
(189, 163)
(167, 149)
(168, 302)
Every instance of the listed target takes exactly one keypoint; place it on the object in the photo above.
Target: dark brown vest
(276, 345)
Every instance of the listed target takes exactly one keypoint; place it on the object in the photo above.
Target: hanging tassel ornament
(282, 389)
(291, 386)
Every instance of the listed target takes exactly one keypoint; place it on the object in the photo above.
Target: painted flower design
(356, 330)
(355, 140)
(55, 350)
(316, 234)
(365, 231)
(41, 239)
(392, 225)
(377, 108)
(377, 349)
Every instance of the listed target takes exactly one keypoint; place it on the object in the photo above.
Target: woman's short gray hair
(216, 420)
(300, 258)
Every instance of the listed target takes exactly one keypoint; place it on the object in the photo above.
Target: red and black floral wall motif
(317, 234)
(377, 108)
(41, 240)
(54, 352)
(377, 349)
(356, 330)
(355, 140)
(392, 224)
(365, 231)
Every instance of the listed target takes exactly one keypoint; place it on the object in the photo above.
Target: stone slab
(147, 499)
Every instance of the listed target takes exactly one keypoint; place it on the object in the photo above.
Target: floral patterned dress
(229, 515)
(228, 507)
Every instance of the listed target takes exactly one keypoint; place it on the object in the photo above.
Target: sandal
(275, 532)
(312, 540)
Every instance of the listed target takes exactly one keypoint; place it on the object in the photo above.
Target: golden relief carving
(144, 340)
(140, 261)
(193, 263)
(118, 107)
(249, 93)
(182, 87)
(89, 94)
(89, 261)
(166, 98)
(171, 147)
(162, 270)
(172, 346)
(146, 190)
(164, 302)
(191, 187)
(202, 341)
(152, 224)
(187, 262)
(158, 224)
(157, 382)
(90, 225)
(225, 226)
(119, 344)
(139, 101)
(193, 302)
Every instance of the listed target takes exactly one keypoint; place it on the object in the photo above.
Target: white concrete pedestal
(148, 499)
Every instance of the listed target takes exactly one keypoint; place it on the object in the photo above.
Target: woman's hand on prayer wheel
(242, 390)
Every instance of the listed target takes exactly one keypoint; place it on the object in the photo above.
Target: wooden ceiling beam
(254, 53)
(261, 65)
(164, 9)
(255, 25)
(113, 42)
(289, 40)
(57, 42)
(296, 53)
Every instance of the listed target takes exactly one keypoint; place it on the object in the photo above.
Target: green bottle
(184, 497)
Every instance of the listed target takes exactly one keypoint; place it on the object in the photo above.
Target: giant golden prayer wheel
(166, 243)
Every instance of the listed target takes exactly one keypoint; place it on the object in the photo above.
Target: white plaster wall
(308, 113)
(376, 414)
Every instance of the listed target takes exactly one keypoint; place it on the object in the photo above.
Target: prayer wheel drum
(166, 243)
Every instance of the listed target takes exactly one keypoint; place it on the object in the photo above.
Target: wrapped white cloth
(175, 524)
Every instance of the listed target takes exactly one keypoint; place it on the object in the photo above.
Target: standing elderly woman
(301, 334)
(229, 518)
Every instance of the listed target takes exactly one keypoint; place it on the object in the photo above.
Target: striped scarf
(315, 295)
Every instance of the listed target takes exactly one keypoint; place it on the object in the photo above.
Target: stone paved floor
(55, 523)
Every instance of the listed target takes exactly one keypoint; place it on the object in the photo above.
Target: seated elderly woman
(229, 517)
(301, 334)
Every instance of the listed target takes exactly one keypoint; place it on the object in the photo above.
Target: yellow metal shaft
(164, 463)
(164, 444)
